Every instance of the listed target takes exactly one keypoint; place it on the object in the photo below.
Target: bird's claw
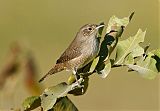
(78, 83)
(80, 80)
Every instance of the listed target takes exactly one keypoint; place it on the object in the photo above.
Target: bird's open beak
(99, 26)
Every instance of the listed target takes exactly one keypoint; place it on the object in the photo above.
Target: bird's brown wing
(70, 53)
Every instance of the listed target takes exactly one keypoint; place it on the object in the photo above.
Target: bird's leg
(76, 77)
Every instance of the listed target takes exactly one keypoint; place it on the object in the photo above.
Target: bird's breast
(91, 47)
(90, 50)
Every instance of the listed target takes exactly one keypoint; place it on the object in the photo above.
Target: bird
(82, 50)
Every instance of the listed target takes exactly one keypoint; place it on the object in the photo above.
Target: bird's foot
(78, 85)
(78, 82)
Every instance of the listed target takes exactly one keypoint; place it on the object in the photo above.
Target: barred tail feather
(55, 69)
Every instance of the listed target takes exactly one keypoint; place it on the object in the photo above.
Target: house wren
(83, 49)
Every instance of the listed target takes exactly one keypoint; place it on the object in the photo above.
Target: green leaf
(31, 103)
(146, 48)
(114, 31)
(129, 59)
(146, 67)
(94, 64)
(71, 79)
(100, 30)
(51, 94)
(156, 52)
(64, 104)
(157, 58)
(114, 21)
(129, 45)
(103, 73)
(137, 51)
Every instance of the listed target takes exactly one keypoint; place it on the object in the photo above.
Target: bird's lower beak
(99, 26)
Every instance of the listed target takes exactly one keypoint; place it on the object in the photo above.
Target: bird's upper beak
(99, 26)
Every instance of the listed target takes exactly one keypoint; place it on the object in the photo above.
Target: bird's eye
(89, 28)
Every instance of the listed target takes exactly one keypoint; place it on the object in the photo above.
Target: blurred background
(36, 32)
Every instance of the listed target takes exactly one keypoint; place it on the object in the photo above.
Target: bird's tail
(55, 69)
